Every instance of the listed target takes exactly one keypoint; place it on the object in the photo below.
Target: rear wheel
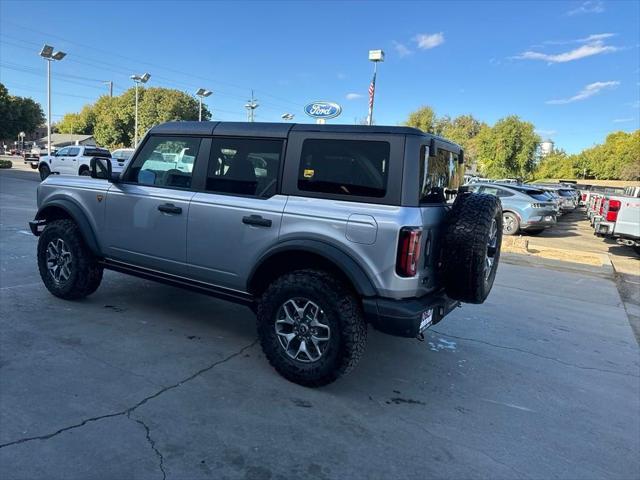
(67, 267)
(44, 171)
(85, 172)
(510, 223)
(311, 327)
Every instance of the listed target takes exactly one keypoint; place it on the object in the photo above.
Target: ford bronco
(320, 229)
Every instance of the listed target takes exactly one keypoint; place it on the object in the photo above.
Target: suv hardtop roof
(281, 130)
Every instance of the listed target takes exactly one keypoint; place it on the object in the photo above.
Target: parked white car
(74, 160)
(122, 155)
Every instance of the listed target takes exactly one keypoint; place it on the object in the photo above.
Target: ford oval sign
(323, 110)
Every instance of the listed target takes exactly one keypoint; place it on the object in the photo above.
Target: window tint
(244, 166)
(345, 167)
(165, 162)
(62, 152)
(439, 172)
(73, 152)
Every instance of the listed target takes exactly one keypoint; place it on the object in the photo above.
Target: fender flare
(77, 215)
(343, 261)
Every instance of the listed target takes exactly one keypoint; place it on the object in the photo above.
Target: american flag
(372, 91)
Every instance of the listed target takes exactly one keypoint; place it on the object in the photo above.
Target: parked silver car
(524, 208)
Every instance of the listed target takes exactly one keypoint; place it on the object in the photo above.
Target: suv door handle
(256, 220)
(170, 208)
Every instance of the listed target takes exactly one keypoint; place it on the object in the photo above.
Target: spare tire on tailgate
(471, 246)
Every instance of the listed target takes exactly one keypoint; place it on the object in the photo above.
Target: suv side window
(344, 167)
(63, 152)
(498, 192)
(165, 162)
(244, 166)
(73, 152)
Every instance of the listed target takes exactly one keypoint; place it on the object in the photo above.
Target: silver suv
(320, 229)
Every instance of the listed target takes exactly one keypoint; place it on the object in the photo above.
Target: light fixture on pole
(251, 105)
(375, 56)
(202, 93)
(287, 116)
(138, 79)
(49, 55)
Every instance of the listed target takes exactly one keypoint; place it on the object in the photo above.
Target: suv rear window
(539, 195)
(344, 167)
(97, 152)
(440, 175)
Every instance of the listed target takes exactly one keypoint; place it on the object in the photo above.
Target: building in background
(546, 147)
(59, 140)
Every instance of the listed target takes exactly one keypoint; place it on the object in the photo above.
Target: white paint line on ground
(510, 405)
(21, 286)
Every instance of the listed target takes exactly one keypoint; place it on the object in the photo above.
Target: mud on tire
(341, 312)
(83, 275)
(471, 247)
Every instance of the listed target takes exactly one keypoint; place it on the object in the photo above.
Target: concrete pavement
(142, 380)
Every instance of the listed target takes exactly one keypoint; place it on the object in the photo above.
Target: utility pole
(110, 83)
(251, 106)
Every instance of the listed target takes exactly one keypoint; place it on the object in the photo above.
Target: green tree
(18, 114)
(556, 165)
(508, 148)
(78, 123)
(425, 119)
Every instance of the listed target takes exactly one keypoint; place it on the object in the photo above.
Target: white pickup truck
(74, 160)
(621, 220)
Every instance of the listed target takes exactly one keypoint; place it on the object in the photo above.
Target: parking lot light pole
(202, 93)
(251, 105)
(138, 79)
(49, 55)
(375, 56)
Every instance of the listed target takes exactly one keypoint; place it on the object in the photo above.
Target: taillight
(408, 251)
(612, 211)
(601, 207)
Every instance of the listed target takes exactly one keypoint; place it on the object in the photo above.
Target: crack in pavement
(127, 411)
(528, 352)
(152, 443)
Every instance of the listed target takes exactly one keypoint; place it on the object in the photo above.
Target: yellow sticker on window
(308, 172)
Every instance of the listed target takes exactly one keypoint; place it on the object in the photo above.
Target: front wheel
(85, 172)
(510, 223)
(44, 171)
(67, 267)
(311, 327)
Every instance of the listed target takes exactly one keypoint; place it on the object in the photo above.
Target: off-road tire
(86, 273)
(343, 313)
(44, 170)
(516, 223)
(465, 248)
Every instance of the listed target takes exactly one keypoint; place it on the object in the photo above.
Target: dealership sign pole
(375, 56)
(322, 111)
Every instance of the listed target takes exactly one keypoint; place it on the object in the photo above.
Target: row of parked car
(74, 159)
(614, 213)
(529, 208)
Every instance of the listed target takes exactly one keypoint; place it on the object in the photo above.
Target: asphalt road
(146, 381)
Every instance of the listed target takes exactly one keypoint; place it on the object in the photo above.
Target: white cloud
(402, 49)
(426, 41)
(546, 133)
(593, 48)
(623, 120)
(590, 6)
(353, 96)
(588, 91)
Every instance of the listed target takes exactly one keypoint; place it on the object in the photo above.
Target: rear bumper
(604, 228)
(546, 220)
(404, 318)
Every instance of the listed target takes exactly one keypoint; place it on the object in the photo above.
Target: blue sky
(572, 68)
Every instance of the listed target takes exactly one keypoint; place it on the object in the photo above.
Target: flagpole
(372, 94)
(375, 56)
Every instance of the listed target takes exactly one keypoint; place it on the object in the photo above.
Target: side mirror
(100, 168)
